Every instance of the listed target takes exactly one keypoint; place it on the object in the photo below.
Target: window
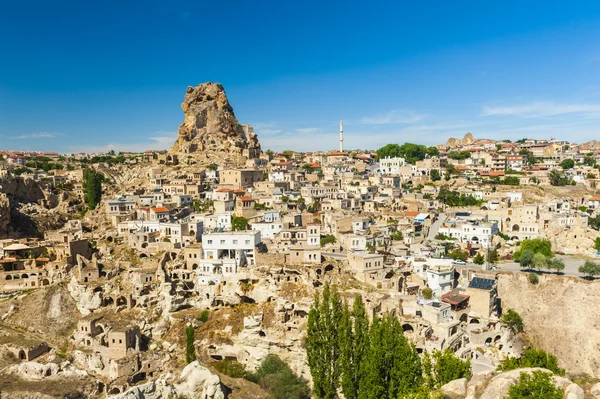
(209, 241)
(222, 241)
(235, 241)
(247, 242)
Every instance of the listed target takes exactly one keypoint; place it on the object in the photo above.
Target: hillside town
(109, 260)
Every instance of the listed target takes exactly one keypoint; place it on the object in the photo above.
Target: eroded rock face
(198, 382)
(548, 311)
(466, 140)
(210, 131)
(455, 389)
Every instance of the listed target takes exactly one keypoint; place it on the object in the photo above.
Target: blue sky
(95, 76)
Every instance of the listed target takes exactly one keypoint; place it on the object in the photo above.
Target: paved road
(433, 230)
(571, 266)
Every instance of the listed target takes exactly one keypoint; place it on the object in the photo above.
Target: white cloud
(392, 117)
(307, 130)
(541, 109)
(268, 132)
(33, 136)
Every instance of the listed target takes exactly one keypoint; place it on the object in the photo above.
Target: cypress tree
(190, 349)
(354, 329)
(323, 343)
(391, 366)
(92, 188)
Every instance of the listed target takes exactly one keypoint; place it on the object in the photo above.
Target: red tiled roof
(244, 198)
(160, 210)
(492, 173)
(411, 213)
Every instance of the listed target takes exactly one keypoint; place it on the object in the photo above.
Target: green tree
(328, 239)
(435, 175)
(307, 168)
(447, 367)
(513, 320)
(539, 261)
(323, 343)
(288, 154)
(478, 259)
(526, 258)
(594, 222)
(190, 349)
(533, 358)
(494, 257)
(92, 188)
(597, 244)
(590, 269)
(557, 178)
(459, 155)
(433, 151)
(354, 344)
(239, 223)
(536, 245)
(536, 385)
(556, 264)
(278, 379)
(589, 161)
(409, 151)
(392, 367)
(567, 163)
(427, 293)
(397, 236)
(457, 254)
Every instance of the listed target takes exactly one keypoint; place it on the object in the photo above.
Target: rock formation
(210, 131)
(453, 142)
(548, 312)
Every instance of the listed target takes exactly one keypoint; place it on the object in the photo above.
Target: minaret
(341, 137)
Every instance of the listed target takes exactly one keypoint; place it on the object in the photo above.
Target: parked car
(459, 262)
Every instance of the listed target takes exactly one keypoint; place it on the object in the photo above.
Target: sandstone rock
(595, 391)
(210, 130)
(455, 389)
(198, 382)
(466, 140)
(574, 391)
(554, 299)
(151, 390)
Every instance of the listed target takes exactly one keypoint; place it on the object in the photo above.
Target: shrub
(533, 358)
(231, 368)
(276, 377)
(204, 315)
(533, 278)
(328, 239)
(427, 293)
(537, 385)
(513, 320)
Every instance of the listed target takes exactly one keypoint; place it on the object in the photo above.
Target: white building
(224, 253)
(471, 233)
(391, 165)
(267, 229)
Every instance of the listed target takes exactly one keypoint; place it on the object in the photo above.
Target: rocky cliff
(210, 131)
(560, 315)
(466, 140)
